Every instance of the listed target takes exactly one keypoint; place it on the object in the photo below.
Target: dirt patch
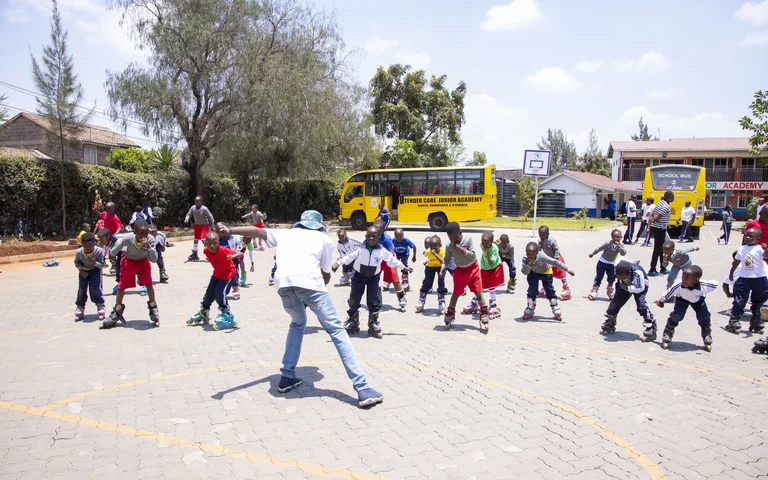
(24, 248)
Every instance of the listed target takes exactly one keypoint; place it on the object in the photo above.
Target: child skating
(224, 275)
(226, 239)
(107, 240)
(606, 264)
(139, 252)
(367, 262)
(538, 267)
(89, 261)
(507, 255)
(691, 291)
(549, 247)
(631, 281)
(434, 253)
(403, 247)
(203, 222)
(678, 258)
(461, 251)
(752, 281)
(160, 241)
(390, 275)
(256, 218)
(345, 246)
(491, 274)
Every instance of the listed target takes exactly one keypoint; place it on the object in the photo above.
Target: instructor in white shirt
(631, 217)
(687, 216)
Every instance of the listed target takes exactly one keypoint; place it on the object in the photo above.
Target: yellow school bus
(420, 195)
(687, 182)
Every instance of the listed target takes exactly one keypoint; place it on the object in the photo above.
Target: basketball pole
(535, 204)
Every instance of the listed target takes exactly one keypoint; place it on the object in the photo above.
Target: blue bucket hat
(311, 219)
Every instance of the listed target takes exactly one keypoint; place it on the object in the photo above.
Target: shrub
(133, 160)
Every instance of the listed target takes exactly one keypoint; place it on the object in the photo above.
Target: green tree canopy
(132, 160)
(478, 159)
(757, 125)
(563, 154)
(409, 106)
(402, 154)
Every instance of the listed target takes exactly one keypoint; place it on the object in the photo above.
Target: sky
(689, 68)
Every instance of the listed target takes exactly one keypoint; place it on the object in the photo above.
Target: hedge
(30, 196)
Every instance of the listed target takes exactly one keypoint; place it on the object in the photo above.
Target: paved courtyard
(531, 399)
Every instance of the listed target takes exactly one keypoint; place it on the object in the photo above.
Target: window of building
(721, 163)
(716, 201)
(748, 163)
(668, 161)
(697, 162)
(89, 155)
(742, 202)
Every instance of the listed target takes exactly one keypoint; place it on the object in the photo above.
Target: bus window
(353, 192)
(440, 182)
(470, 182)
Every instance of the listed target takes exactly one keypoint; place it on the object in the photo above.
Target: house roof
(23, 152)
(510, 174)
(735, 144)
(90, 134)
(598, 182)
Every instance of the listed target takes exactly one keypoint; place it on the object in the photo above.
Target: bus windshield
(674, 178)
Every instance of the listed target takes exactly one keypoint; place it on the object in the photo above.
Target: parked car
(717, 215)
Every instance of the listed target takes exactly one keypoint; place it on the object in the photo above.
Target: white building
(589, 190)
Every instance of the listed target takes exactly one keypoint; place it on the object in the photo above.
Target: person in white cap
(304, 259)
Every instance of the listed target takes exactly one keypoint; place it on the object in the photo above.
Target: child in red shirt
(224, 273)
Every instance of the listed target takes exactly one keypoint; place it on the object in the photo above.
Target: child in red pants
(467, 274)
(203, 223)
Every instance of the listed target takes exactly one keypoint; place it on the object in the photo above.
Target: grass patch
(551, 222)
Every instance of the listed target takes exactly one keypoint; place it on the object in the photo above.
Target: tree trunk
(195, 175)
(61, 182)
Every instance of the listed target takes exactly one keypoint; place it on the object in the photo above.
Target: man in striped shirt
(659, 222)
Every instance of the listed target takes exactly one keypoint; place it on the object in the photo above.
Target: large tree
(563, 154)
(3, 110)
(594, 144)
(405, 109)
(597, 164)
(643, 135)
(478, 159)
(758, 125)
(60, 94)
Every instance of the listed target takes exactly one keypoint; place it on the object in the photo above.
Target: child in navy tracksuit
(367, 263)
(691, 291)
(606, 264)
(403, 248)
(631, 281)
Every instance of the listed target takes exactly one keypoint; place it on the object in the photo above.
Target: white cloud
(650, 62)
(379, 46)
(754, 13)
(588, 66)
(16, 15)
(389, 50)
(489, 128)
(553, 80)
(664, 94)
(518, 14)
(755, 39)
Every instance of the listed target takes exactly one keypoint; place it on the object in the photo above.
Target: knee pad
(553, 302)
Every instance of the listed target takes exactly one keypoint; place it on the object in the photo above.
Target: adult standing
(727, 224)
(687, 217)
(631, 217)
(659, 223)
(645, 212)
(760, 205)
(612, 209)
(304, 258)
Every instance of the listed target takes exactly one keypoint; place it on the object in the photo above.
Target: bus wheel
(358, 221)
(438, 222)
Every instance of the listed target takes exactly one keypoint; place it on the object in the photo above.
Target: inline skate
(421, 302)
(154, 313)
(385, 287)
(224, 320)
(236, 293)
(484, 323)
(200, 317)
(761, 346)
(566, 293)
(243, 279)
(706, 336)
(756, 325)
(344, 281)
(511, 285)
(609, 290)
(79, 313)
(406, 283)
(529, 309)
(609, 326)
(352, 325)
(593, 293)
(649, 334)
(163, 277)
(471, 307)
(402, 300)
(441, 303)
(114, 317)
(101, 311)
(450, 317)
(374, 327)
(666, 337)
(494, 311)
(556, 309)
(193, 257)
(734, 325)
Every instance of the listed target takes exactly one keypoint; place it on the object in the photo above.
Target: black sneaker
(287, 384)
(369, 397)
(664, 272)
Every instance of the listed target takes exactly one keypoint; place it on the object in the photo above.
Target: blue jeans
(90, 284)
(295, 302)
(217, 290)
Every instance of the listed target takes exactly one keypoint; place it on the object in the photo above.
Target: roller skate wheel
(559, 318)
(191, 322)
(234, 324)
(216, 326)
(602, 331)
(755, 349)
(665, 346)
(708, 348)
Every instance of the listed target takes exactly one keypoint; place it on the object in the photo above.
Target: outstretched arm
(250, 232)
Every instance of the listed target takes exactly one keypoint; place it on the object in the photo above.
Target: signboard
(737, 185)
(536, 163)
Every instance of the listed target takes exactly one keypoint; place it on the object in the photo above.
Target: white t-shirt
(631, 209)
(646, 209)
(301, 254)
(752, 264)
(687, 214)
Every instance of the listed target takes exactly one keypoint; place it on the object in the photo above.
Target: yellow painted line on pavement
(646, 463)
(289, 463)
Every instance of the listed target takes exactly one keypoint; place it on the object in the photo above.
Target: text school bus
(420, 195)
(687, 182)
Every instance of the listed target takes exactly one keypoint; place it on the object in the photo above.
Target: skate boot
(374, 328)
(200, 317)
(385, 287)
(352, 325)
(511, 285)
(756, 325)
(154, 313)
(666, 337)
(114, 290)
(529, 309)
(609, 326)
(494, 311)
(649, 334)
(471, 308)
(117, 314)
(243, 279)
(101, 311)
(143, 292)
(79, 313)
(402, 300)
(592, 294)
(706, 336)
(224, 320)
(163, 277)
(556, 309)
(271, 281)
(566, 293)
(542, 293)
(734, 325)
(450, 317)
(193, 257)
(441, 303)
(236, 294)
(484, 319)
(421, 302)
(406, 283)
(761, 346)
(344, 280)
(610, 292)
